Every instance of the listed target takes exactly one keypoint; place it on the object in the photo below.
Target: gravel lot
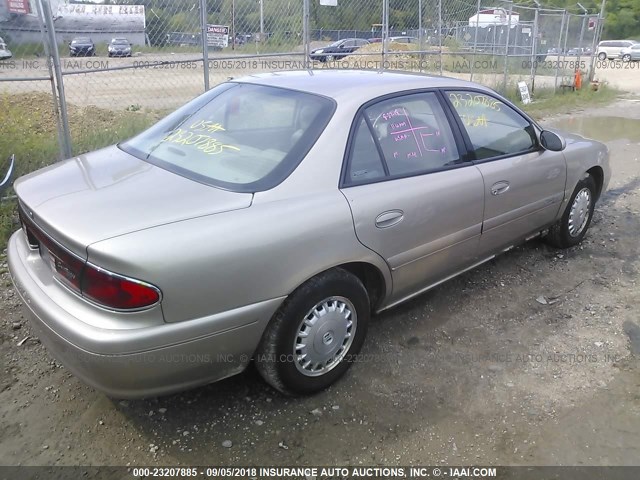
(530, 359)
(158, 85)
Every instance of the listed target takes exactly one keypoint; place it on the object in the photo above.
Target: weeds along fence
(158, 54)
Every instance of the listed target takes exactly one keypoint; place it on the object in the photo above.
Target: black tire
(602, 56)
(276, 357)
(560, 234)
(626, 58)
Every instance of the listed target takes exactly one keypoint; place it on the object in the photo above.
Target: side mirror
(6, 179)
(552, 141)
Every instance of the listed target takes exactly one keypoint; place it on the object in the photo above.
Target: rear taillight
(100, 286)
(67, 266)
(116, 291)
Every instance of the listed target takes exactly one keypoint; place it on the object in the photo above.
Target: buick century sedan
(269, 218)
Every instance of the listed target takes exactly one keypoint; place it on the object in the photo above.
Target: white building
(494, 16)
(100, 22)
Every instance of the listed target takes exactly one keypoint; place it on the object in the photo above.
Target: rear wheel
(311, 340)
(572, 227)
(602, 56)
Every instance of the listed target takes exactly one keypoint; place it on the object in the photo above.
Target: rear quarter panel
(219, 262)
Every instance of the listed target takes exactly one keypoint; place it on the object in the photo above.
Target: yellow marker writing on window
(202, 142)
(207, 126)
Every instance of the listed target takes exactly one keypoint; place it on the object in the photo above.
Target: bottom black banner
(321, 473)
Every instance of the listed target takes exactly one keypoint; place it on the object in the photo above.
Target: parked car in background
(82, 47)
(577, 52)
(397, 39)
(612, 48)
(631, 53)
(215, 237)
(404, 39)
(5, 53)
(337, 50)
(242, 38)
(119, 47)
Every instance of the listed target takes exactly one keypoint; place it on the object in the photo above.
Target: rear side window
(237, 136)
(365, 164)
(402, 136)
(494, 128)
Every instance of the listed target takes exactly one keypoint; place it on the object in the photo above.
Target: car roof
(360, 85)
(609, 41)
(350, 38)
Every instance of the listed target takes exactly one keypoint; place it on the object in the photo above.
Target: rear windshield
(119, 42)
(239, 137)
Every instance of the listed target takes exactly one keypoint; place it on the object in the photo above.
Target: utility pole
(596, 35)
(534, 46)
(585, 12)
(261, 21)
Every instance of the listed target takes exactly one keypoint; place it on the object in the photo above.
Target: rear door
(523, 183)
(414, 200)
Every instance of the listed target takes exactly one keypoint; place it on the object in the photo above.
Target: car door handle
(389, 218)
(499, 187)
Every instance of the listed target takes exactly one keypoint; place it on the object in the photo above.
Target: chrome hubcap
(324, 336)
(579, 213)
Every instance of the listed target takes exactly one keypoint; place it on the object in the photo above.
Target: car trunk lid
(108, 193)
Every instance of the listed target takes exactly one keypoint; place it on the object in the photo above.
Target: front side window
(494, 128)
(237, 136)
(402, 136)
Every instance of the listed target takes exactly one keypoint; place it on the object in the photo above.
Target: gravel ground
(530, 359)
(157, 85)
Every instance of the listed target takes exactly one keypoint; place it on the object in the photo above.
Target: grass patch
(28, 129)
(546, 102)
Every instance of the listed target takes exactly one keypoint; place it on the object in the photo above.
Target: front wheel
(602, 56)
(572, 227)
(626, 58)
(313, 338)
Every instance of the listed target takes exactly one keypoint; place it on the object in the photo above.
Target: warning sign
(218, 35)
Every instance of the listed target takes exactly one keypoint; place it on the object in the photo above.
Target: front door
(523, 183)
(413, 200)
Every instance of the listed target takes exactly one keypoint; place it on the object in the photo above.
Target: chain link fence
(154, 55)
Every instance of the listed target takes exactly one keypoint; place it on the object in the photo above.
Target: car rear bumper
(185, 354)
